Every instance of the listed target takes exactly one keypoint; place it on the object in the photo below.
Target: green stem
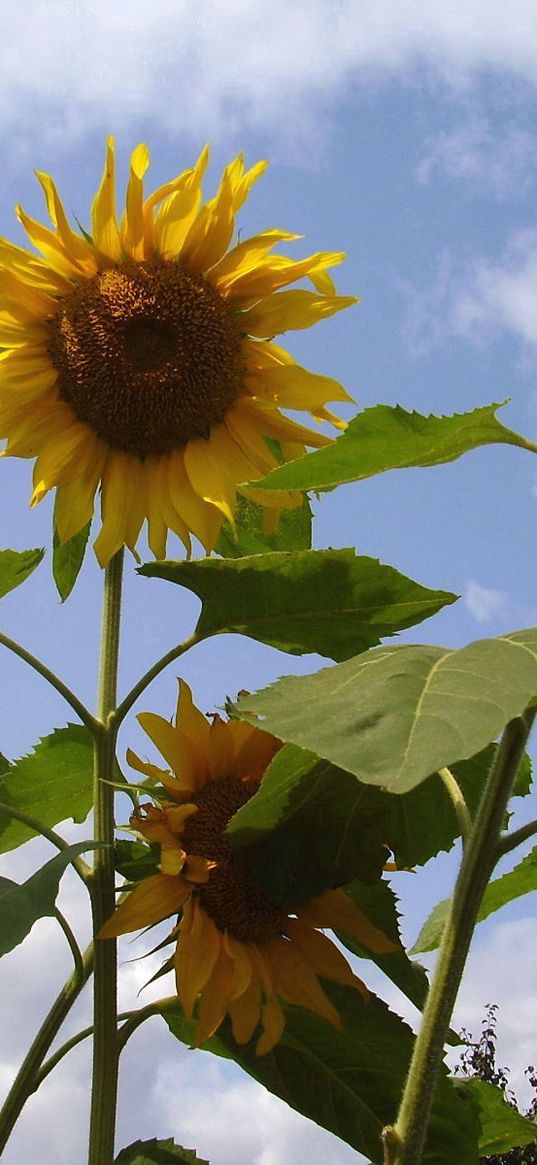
(152, 673)
(82, 868)
(403, 1143)
(457, 799)
(133, 1019)
(41, 668)
(105, 1059)
(27, 1078)
(510, 841)
(74, 947)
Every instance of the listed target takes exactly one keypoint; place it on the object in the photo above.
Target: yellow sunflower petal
(195, 175)
(245, 1012)
(35, 272)
(74, 500)
(37, 304)
(324, 956)
(277, 271)
(201, 517)
(211, 231)
(103, 212)
(176, 748)
(193, 724)
(215, 998)
(175, 218)
(122, 505)
(153, 899)
(295, 979)
(75, 244)
(275, 425)
(57, 256)
(292, 310)
(197, 952)
(293, 387)
(336, 910)
(209, 476)
(132, 225)
(244, 257)
(220, 750)
(255, 755)
(273, 1021)
(60, 460)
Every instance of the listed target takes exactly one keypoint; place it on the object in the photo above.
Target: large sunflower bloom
(237, 953)
(140, 357)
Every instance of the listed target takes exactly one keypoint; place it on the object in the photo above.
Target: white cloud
(211, 67)
(484, 603)
(482, 300)
(500, 158)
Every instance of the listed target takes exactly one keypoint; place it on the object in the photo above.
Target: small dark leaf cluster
(479, 1060)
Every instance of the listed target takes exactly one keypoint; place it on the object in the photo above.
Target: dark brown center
(147, 355)
(230, 897)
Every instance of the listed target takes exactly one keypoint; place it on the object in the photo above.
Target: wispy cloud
(482, 300)
(483, 153)
(484, 603)
(65, 67)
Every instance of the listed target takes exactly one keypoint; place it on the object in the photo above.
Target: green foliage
(502, 1127)
(313, 825)
(349, 1081)
(293, 531)
(22, 905)
(16, 566)
(67, 559)
(328, 601)
(499, 892)
(158, 1153)
(52, 783)
(395, 715)
(387, 437)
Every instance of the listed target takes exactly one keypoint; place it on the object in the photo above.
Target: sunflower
(141, 358)
(236, 950)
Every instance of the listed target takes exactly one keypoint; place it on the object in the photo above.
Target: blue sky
(407, 138)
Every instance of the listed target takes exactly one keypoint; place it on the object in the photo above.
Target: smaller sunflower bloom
(237, 952)
(139, 359)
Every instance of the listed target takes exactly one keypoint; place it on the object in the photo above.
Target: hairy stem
(457, 799)
(55, 682)
(403, 1143)
(105, 1058)
(27, 1078)
(510, 841)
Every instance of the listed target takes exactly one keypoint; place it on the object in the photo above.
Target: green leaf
(293, 531)
(350, 1081)
(502, 1127)
(499, 892)
(67, 559)
(158, 1153)
(395, 715)
(22, 905)
(52, 783)
(387, 437)
(16, 566)
(328, 601)
(287, 852)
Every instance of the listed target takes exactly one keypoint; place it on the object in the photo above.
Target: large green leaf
(387, 437)
(502, 1127)
(499, 892)
(350, 1081)
(293, 531)
(395, 715)
(22, 905)
(52, 783)
(158, 1153)
(67, 559)
(16, 566)
(328, 601)
(312, 825)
